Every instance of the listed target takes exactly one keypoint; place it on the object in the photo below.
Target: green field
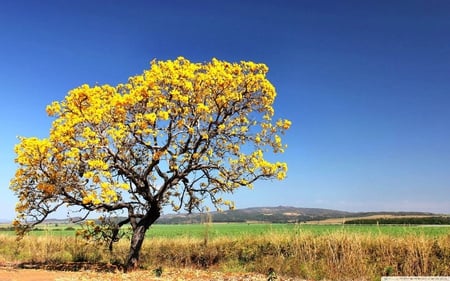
(231, 230)
(239, 229)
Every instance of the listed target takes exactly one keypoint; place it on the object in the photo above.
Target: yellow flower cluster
(47, 188)
(91, 198)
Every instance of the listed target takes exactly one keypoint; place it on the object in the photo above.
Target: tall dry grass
(334, 256)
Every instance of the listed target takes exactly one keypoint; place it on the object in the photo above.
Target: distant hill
(281, 214)
(62, 221)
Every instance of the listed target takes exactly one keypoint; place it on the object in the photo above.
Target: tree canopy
(178, 134)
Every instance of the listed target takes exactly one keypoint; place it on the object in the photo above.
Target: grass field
(313, 252)
(235, 230)
(231, 230)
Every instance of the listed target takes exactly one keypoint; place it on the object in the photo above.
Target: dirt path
(14, 274)
(34, 275)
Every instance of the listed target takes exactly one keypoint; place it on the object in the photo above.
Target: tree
(177, 135)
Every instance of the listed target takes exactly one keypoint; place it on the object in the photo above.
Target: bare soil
(84, 272)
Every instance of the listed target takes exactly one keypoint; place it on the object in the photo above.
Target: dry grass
(334, 256)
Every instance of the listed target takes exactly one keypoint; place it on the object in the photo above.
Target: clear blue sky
(365, 83)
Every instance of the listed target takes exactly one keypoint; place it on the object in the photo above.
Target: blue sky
(365, 83)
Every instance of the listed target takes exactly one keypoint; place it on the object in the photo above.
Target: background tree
(179, 134)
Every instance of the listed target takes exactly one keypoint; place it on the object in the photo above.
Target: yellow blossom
(164, 115)
(202, 108)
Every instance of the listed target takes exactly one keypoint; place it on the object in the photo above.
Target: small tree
(178, 134)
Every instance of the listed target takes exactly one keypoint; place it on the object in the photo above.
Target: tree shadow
(71, 266)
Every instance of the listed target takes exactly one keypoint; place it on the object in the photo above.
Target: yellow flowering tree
(177, 135)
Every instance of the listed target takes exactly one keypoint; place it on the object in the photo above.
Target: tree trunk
(138, 238)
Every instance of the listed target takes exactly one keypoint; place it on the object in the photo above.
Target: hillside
(281, 214)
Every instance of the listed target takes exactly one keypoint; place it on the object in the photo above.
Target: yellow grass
(299, 254)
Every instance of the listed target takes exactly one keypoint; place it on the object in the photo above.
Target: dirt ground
(46, 275)
(8, 273)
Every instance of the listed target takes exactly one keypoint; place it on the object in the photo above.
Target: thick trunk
(138, 238)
